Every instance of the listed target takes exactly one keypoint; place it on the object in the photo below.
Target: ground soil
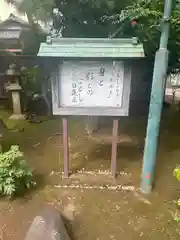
(99, 207)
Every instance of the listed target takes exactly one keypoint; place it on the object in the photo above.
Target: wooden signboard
(99, 87)
(93, 78)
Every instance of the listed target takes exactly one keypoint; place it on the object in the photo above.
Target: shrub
(15, 176)
(177, 175)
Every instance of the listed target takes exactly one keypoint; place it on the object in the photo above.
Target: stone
(16, 102)
(17, 117)
(48, 225)
(15, 89)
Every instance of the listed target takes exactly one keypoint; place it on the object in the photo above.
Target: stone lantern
(14, 87)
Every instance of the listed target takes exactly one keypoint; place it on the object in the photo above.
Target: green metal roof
(92, 48)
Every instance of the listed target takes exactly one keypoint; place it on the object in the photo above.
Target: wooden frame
(92, 111)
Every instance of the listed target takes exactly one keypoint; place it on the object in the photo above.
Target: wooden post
(114, 148)
(65, 146)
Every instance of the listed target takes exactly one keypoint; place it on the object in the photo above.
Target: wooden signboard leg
(114, 148)
(65, 146)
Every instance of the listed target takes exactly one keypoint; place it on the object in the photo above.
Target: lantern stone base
(17, 117)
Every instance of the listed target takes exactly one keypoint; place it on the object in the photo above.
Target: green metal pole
(156, 102)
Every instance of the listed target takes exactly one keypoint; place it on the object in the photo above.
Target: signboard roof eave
(91, 40)
(91, 47)
(93, 55)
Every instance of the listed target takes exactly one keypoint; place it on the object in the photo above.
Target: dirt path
(95, 214)
(114, 216)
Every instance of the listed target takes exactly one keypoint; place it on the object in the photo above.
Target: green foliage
(15, 176)
(101, 18)
(30, 80)
(32, 39)
(176, 173)
(148, 14)
(81, 18)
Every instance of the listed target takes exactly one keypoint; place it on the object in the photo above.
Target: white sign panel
(9, 34)
(91, 84)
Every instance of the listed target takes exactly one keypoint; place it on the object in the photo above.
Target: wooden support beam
(65, 146)
(114, 148)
